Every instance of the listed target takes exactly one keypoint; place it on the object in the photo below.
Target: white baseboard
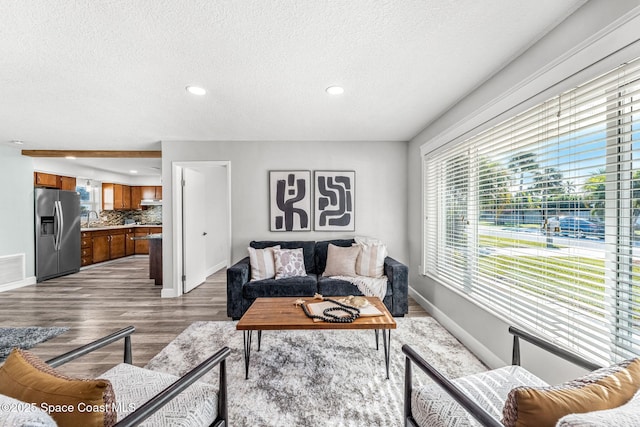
(169, 293)
(219, 266)
(19, 284)
(476, 347)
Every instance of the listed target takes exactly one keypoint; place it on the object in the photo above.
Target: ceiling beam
(93, 153)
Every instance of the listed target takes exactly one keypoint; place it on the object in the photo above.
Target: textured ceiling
(111, 74)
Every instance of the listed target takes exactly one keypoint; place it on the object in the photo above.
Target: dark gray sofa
(241, 292)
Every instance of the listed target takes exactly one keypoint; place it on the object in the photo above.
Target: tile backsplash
(151, 215)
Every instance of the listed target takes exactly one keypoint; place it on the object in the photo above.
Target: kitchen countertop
(113, 227)
(154, 236)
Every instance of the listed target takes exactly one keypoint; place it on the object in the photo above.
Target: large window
(538, 218)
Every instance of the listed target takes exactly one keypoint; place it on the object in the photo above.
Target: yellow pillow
(605, 388)
(70, 402)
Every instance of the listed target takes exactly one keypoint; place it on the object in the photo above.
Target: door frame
(178, 226)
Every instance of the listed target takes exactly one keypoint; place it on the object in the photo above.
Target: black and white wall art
(290, 200)
(334, 200)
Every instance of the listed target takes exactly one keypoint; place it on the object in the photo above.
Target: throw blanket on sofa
(369, 286)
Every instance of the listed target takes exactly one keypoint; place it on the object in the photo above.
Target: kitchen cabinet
(48, 180)
(41, 179)
(129, 243)
(136, 197)
(142, 246)
(67, 183)
(115, 197)
(86, 248)
(100, 246)
(151, 192)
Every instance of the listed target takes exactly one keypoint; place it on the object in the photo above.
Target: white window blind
(537, 218)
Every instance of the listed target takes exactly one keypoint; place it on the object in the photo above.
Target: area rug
(25, 338)
(316, 378)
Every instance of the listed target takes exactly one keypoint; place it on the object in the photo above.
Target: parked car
(581, 227)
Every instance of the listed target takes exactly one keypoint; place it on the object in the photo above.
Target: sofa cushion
(16, 413)
(27, 378)
(308, 250)
(322, 249)
(301, 286)
(341, 261)
(604, 388)
(289, 263)
(195, 406)
(370, 260)
(432, 406)
(262, 263)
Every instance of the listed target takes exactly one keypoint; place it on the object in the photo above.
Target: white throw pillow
(341, 261)
(262, 263)
(370, 261)
(289, 263)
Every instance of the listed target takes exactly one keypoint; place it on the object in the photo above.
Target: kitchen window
(90, 195)
(538, 218)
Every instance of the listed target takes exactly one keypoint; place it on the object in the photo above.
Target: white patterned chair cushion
(627, 415)
(433, 407)
(133, 386)
(15, 413)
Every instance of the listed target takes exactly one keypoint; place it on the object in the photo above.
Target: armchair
(501, 397)
(147, 393)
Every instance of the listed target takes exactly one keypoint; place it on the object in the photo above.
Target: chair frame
(169, 393)
(482, 416)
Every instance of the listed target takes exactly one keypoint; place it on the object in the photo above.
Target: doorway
(202, 218)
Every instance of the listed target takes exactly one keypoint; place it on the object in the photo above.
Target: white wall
(16, 209)
(380, 187)
(596, 31)
(217, 242)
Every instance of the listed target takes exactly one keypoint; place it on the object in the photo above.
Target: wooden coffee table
(269, 314)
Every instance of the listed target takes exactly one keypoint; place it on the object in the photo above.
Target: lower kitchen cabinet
(104, 245)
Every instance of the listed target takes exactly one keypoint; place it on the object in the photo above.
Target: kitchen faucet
(89, 217)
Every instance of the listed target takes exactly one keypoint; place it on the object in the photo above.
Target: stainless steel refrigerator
(57, 215)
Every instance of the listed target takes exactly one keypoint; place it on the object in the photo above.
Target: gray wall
(16, 208)
(597, 30)
(381, 188)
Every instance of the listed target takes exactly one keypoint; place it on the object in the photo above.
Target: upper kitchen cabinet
(47, 180)
(152, 192)
(115, 197)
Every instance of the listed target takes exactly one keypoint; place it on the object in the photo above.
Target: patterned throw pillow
(289, 263)
(263, 265)
(341, 261)
(27, 378)
(627, 415)
(370, 261)
(602, 389)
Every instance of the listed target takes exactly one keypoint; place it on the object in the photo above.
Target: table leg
(247, 351)
(259, 339)
(377, 338)
(387, 348)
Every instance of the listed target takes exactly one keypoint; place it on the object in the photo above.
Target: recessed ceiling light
(195, 90)
(133, 171)
(70, 157)
(335, 90)
(17, 142)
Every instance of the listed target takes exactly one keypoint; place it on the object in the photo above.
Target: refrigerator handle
(60, 224)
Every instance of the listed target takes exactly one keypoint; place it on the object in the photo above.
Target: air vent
(12, 268)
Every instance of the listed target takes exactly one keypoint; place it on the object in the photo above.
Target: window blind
(537, 218)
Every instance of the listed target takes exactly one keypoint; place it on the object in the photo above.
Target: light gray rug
(316, 378)
(25, 338)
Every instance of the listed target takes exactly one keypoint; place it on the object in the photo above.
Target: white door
(194, 229)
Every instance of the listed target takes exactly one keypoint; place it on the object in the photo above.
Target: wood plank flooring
(104, 298)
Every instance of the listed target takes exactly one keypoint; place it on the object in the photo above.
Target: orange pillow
(604, 388)
(70, 402)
